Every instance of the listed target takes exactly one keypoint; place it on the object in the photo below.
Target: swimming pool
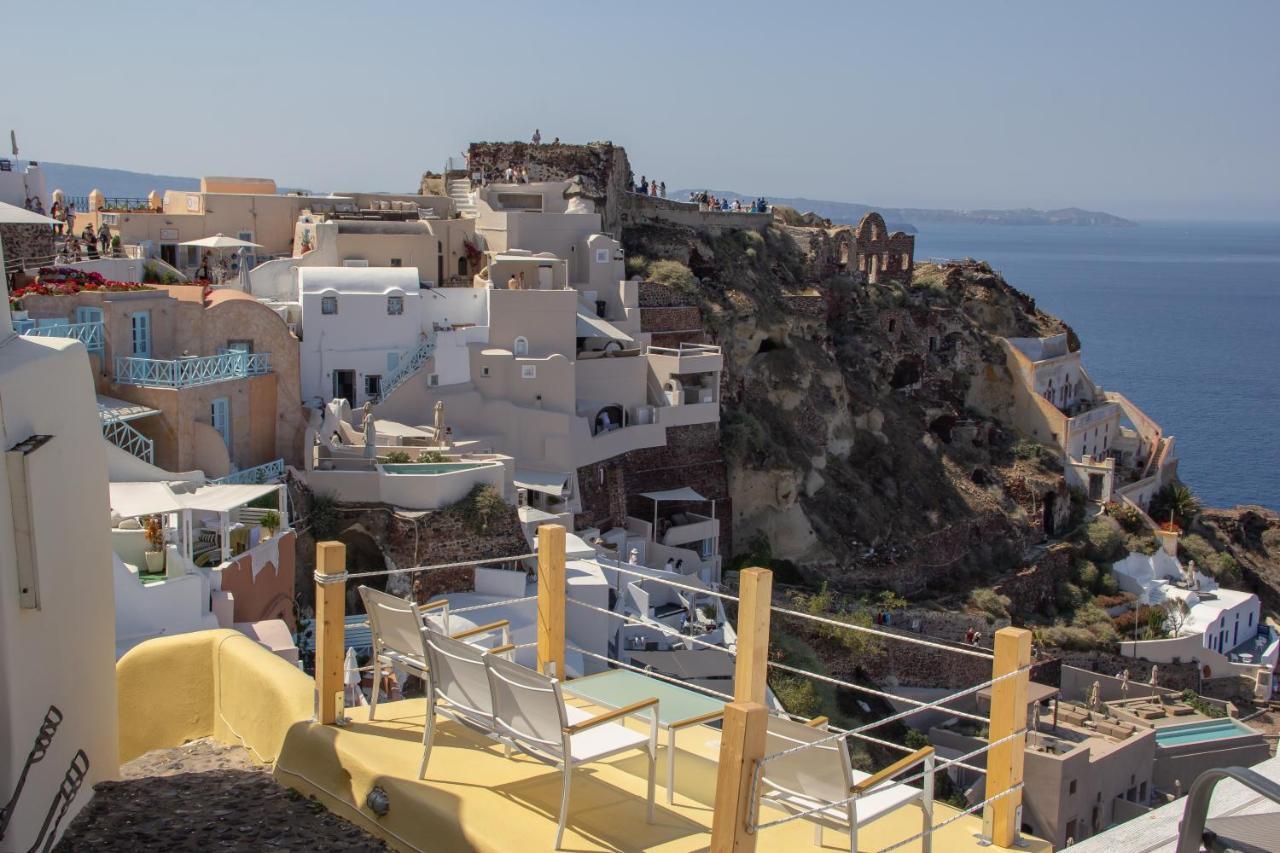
(431, 467)
(1199, 732)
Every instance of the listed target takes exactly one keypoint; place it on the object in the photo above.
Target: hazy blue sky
(1147, 109)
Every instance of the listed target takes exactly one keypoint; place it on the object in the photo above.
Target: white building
(57, 620)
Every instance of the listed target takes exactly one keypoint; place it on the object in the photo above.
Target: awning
(220, 497)
(684, 494)
(110, 410)
(594, 327)
(548, 482)
(129, 500)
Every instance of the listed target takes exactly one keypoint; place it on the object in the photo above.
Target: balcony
(192, 371)
(89, 334)
(687, 358)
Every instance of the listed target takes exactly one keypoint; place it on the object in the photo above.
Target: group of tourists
(89, 245)
(654, 189)
(708, 202)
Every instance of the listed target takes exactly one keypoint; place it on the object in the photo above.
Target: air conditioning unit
(522, 497)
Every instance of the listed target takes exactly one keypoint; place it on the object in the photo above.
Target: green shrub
(396, 457)
(271, 520)
(1128, 516)
(1086, 574)
(797, 694)
(1175, 501)
(322, 517)
(481, 507)
(637, 265)
(1108, 585)
(990, 602)
(916, 740)
(674, 275)
(1069, 596)
(1104, 540)
(1225, 570)
(1190, 697)
(432, 456)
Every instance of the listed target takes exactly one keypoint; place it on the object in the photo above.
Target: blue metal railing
(189, 372)
(268, 472)
(89, 334)
(123, 435)
(408, 367)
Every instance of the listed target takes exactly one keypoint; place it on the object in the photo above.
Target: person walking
(537, 136)
(56, 213)
(71, 217)
(104, 239)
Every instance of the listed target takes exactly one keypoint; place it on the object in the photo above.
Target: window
(433, 380)
(395, 305)
(1071, 789)
(328, 305)
(484, 371)
(86, 314)
(521, 346)
(395, 262)
(220, 417)
(528, 371)
(239, 346)
(602, 256)
(373, 386)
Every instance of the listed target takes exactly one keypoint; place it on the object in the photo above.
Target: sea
(1182, 317)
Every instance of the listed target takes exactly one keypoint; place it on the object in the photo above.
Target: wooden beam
(1008, 715)
(331, 599)
(755, 590)
(551, 593)
(742, 742)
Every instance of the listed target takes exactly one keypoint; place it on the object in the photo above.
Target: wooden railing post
(1001, 819)
(331, 599)
(551, 593)
(742, 739)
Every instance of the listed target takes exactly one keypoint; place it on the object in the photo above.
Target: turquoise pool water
(1204, 730)
(430, 467)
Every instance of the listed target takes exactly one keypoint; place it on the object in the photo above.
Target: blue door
(220, 416)
(141, 326)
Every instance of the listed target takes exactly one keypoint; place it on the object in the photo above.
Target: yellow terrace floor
(475, 798)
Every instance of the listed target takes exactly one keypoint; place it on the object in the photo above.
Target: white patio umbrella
(220, 243)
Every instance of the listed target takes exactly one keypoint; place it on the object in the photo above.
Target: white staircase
(460, 192)
(124, 436)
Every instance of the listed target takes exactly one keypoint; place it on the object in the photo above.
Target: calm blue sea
(1184, 318)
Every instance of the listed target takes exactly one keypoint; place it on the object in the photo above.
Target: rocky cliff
(852, 446)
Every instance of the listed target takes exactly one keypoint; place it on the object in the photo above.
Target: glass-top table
(678, 706)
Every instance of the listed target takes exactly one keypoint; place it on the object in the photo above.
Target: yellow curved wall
(208, 683)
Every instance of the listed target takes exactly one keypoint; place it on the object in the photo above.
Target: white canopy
(548, 482)
(129, 500)
(529, 514)
(594, 327)
(221, 241)
(13, 215)
(684, 494)
(112, 409)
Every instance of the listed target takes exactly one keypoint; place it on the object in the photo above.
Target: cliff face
(846, 432)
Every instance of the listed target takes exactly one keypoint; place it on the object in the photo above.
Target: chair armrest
(892, 770)
(817, 723)
(481, 629)
(501, 650)
(609, 716)
(433, 605)
(698, 720)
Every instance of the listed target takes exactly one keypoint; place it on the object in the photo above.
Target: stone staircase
(460, 192)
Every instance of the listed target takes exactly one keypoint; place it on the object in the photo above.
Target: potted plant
(271, 522)
(154, 554)
(16, 309)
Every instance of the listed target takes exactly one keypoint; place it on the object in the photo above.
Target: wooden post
(331, 600)
(742, 739)
(755, 590)
(551, 595)
(1008, 715)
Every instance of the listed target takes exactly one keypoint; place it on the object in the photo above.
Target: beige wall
(547, 318)
(63, 653)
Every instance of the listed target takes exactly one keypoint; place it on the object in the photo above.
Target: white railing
(684, 349)
(267, 472)
(128, 439)
(408, 367)
(89, 334)
(189, 372)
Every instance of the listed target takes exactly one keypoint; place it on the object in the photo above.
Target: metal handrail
(128, 439)
(189, 372)
(267, 472)
(1196, 811)
(409, 366)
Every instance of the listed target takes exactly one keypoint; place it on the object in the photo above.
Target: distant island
(898, 218)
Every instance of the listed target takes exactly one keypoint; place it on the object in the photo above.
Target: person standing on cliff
(662, 190)
(537, 136)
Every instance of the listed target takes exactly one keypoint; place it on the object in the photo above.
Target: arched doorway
(363, 555)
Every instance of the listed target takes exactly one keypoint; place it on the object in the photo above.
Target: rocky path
(206, 796)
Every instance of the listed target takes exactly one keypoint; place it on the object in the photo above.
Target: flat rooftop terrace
(475, 798)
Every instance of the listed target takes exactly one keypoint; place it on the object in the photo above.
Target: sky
(1155, 110)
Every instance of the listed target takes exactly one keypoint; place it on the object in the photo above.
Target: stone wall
(1034, 588)
(640, 209)
(25, 244)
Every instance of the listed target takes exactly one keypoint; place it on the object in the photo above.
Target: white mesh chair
(530, 715)
(457, 686)
(822, 774)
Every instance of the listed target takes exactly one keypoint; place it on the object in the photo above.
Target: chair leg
(671, 766)
(428, 735)
(564, 803)
(653, 771)
(377, 685)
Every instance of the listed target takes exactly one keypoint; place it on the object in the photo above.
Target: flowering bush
(66, 281)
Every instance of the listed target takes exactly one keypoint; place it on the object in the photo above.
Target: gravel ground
(206, 796)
